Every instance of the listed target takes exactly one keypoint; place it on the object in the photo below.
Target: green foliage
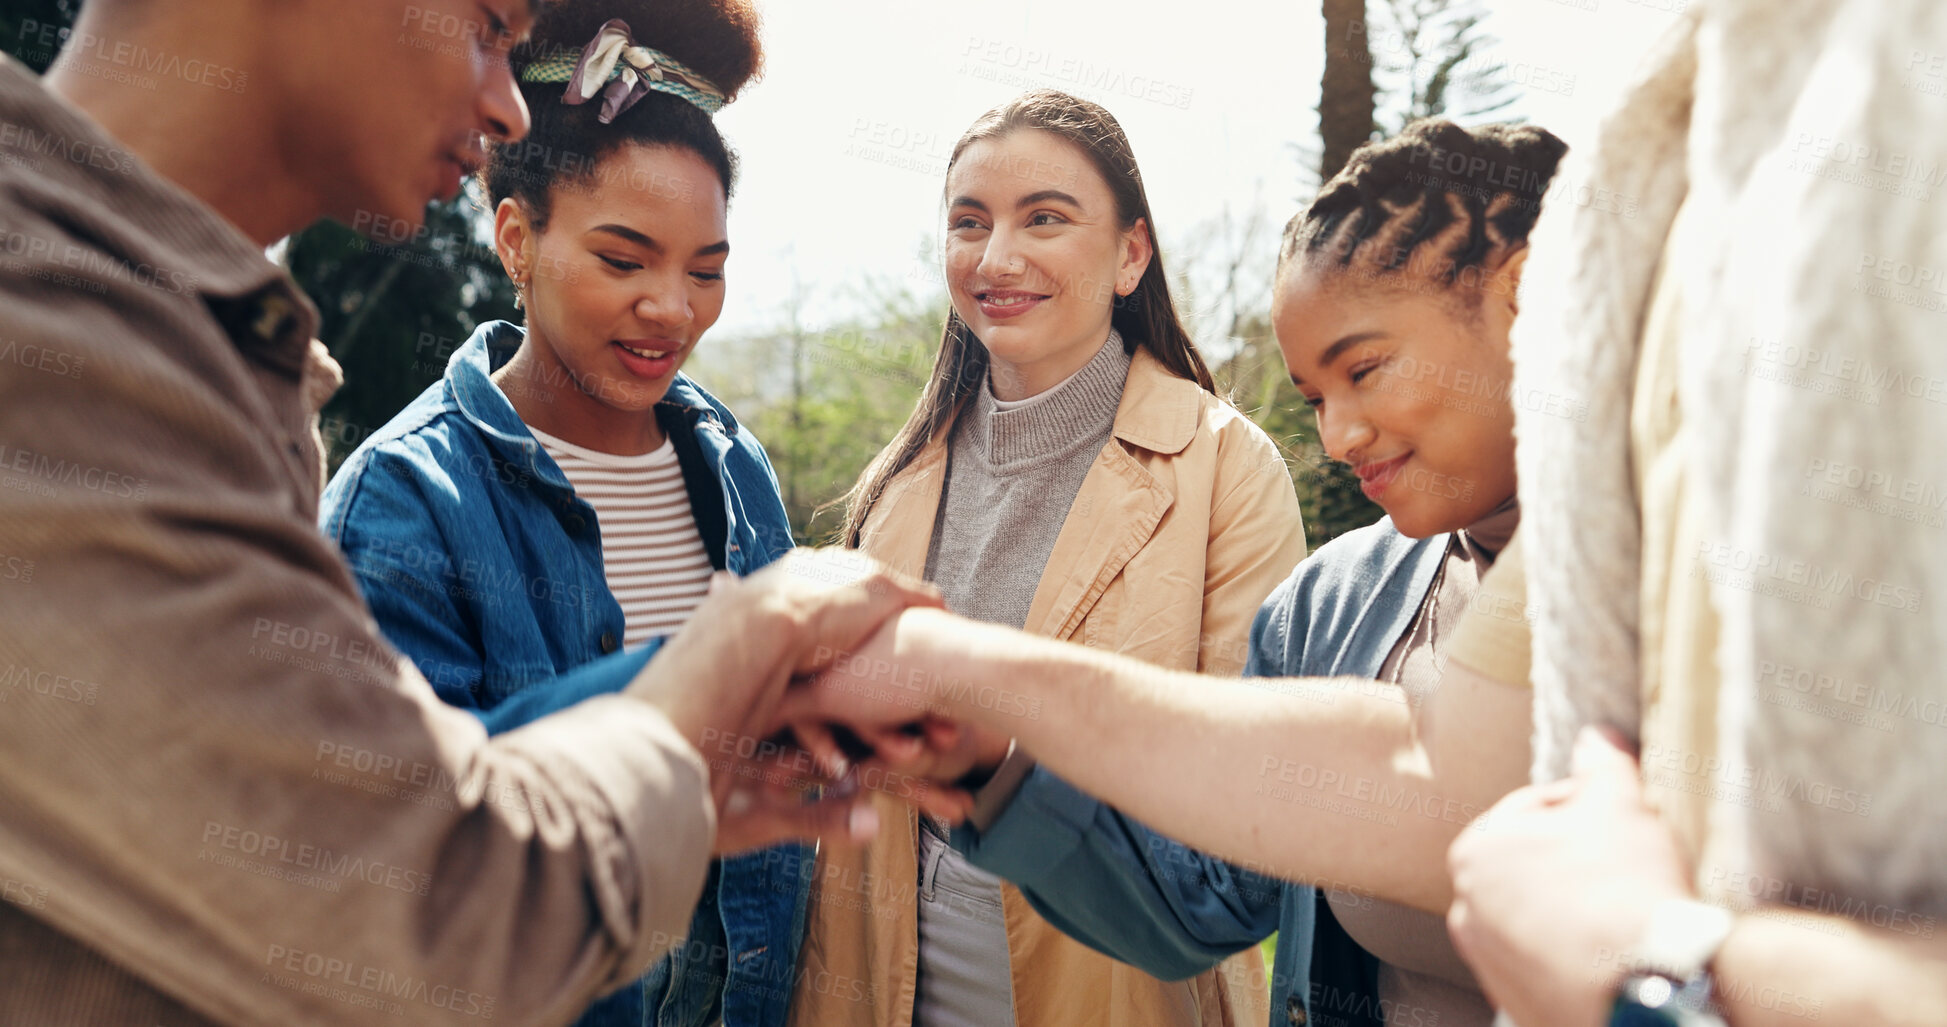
(825, 402)
(1436, 63)
(22, 29)
(1256, 381)
(393, 313)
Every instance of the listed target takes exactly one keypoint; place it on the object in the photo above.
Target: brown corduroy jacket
(224, 799)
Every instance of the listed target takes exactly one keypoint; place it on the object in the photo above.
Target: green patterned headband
(623, 72)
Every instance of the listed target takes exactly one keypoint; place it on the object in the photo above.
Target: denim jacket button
(608, 641)
(1294, 1011)
(574, 524)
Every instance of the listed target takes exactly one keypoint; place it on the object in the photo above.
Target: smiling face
(625, 277)
(1036, 255)
(390, 101)
(1410, 383)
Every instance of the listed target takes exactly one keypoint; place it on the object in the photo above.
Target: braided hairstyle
(1437, 198)
(566, 145)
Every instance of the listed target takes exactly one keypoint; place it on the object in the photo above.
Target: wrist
(700, 715)
(944, 654)
(1683, 937)
(990, 752)
(1667, 980)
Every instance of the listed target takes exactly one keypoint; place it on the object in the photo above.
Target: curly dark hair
(566, 145)
(1459, 193)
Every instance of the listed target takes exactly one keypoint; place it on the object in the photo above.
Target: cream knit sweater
(1806, 141)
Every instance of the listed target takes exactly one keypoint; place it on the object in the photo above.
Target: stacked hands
(797, 711)
(843, 677)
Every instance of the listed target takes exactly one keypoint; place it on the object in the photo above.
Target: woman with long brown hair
(1069, 470)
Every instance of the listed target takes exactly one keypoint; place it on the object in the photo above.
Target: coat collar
(1160, 411)
(469, 379)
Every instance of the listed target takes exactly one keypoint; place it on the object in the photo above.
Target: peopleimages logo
(305, 856)
(1014, 64)
(372, 984)
(136, 58)
(1737, 567)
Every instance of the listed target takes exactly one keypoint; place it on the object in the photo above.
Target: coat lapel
(899, 530)
(1120, 502)
(1115, 513)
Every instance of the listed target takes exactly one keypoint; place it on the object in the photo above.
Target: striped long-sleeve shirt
(652, 552)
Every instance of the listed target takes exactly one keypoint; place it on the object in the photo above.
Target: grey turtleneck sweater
(1013, 470)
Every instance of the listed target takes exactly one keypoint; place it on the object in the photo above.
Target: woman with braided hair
(1396, 290)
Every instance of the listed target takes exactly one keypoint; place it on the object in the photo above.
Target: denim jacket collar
(469, 379)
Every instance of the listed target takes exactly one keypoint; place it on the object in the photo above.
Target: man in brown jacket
(223, 797)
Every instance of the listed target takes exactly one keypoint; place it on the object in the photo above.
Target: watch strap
(1683, 937)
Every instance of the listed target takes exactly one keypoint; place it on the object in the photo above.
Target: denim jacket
(482, 564)
(1120, 887)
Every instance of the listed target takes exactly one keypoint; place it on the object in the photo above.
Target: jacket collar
(1159, 410)
(469, 380)
(187, 245)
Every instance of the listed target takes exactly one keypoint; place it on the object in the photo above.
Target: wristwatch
(1669, 983)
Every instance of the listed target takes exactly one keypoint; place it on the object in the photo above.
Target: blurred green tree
(394, 305)
(825, 400)
(32, 31)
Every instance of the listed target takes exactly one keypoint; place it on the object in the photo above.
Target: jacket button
(574, 524)
(608, 641)
(1294, 1011)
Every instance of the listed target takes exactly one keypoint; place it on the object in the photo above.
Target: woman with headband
(564, 490)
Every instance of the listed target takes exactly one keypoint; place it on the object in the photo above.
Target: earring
(520, 283)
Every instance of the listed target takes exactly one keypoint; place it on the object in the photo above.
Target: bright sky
(844, 142)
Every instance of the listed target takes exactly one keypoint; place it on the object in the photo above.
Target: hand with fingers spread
(721, 678)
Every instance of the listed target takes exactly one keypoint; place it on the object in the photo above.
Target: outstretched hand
(726, 671)
(885, 707)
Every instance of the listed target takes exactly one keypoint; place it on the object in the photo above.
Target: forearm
(1774, 972)
(279, 791)
(1314, 780)
(606, 676)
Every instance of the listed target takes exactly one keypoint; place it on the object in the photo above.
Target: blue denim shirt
(1124, 890)
(462, 530)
